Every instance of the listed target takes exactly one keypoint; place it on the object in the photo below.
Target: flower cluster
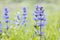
(24, 16)
(40, 17)
(6, 16)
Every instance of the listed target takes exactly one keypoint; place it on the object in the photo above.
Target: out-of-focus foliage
(37, 1)
(17, 1)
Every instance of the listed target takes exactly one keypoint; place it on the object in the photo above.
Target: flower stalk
(40, 18)
(24, 15)
(6, 16)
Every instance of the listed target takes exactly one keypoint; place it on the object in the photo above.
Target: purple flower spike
(24, 11)
(40, 17)
(6, 16)
(24, 16)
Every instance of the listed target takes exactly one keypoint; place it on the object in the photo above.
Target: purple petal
(6, 9)
(40, 14)
(24, 9)
(41, 8)
(24, 17)
(6, 12)
(37, 12)
(6, 16)
(36, 15)
(37, 8)
(42, 18)
(35, 19)
(7, 21)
